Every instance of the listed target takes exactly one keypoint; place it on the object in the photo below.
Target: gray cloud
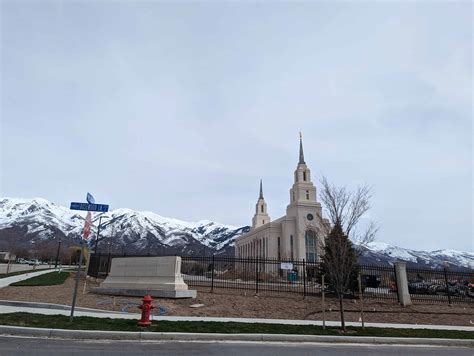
(180, 109)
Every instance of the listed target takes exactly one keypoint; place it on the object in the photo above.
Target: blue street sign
(89, 207)
(90, 198)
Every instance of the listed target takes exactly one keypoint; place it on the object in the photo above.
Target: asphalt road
(36, 346)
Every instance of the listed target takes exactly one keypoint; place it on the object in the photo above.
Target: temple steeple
(261, 216)
(303, 190)
(301, 161)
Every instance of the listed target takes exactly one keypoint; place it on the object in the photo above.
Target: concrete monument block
(402, 283)
(137, 276)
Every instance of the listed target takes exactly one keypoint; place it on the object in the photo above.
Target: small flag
(87, 226)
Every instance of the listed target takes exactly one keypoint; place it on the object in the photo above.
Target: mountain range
(29, 225)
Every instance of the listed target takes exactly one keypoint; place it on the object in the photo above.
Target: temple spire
(261, 216)
(301, 161)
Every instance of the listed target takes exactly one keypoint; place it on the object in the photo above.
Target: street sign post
(89, 206)
(78, 274)
(103, 208)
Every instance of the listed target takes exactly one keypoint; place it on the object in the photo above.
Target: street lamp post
(57, 253)
(98, 232)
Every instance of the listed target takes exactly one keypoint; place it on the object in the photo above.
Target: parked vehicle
(370, 281)
(439, 288)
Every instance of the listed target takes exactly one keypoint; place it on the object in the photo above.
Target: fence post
(212, 275)
(361, 299)
(396, 282)
(322, 300)
(447, 285)
(304, 279)
(108, 265)
(256, 275)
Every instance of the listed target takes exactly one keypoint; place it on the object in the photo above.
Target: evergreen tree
(339, 264)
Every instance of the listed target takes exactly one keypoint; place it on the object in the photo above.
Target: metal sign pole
(78, 275)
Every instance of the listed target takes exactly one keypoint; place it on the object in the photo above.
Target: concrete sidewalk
(5, 282)
(54, 309)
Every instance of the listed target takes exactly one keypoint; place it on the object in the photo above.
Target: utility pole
(98, 233)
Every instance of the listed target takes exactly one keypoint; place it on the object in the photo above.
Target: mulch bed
(237, 303)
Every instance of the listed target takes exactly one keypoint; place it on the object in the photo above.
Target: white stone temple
(297, 235)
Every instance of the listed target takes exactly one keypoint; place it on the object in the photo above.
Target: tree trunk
(341, 308)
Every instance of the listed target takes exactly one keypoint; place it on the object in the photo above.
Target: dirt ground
(237, 303)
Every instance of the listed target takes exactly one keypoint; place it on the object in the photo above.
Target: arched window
(291, 246)
(304, 176)
(261, 208)
(307, 195)
(279, 248)
(310, 244)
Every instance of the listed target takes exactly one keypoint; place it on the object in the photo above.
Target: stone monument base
(137, 276)
(156, 293)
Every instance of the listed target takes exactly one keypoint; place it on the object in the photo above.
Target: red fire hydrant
(146, 308)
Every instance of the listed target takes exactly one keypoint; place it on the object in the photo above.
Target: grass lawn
(89, 323)
(47, 279)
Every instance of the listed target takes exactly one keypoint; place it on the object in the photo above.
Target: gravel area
(237, 303)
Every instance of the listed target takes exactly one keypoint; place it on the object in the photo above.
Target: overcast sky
(180, 109)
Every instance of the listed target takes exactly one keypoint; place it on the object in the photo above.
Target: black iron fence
(253, 274)
(442, 286)
(298, 276)
(99, 265)
(378, 282)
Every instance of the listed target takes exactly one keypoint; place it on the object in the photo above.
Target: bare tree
(347, 207)
(344, 208)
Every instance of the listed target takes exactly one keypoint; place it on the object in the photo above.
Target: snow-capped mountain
(380, 252)
(39, 222)
(31, 224)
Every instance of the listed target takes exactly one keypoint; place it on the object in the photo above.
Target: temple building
(297, 235)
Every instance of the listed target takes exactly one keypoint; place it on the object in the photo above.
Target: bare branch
(335, 201)
(364, 239)
(359, 205)
(347, 207)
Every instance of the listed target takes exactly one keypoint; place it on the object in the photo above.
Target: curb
(157, 336)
